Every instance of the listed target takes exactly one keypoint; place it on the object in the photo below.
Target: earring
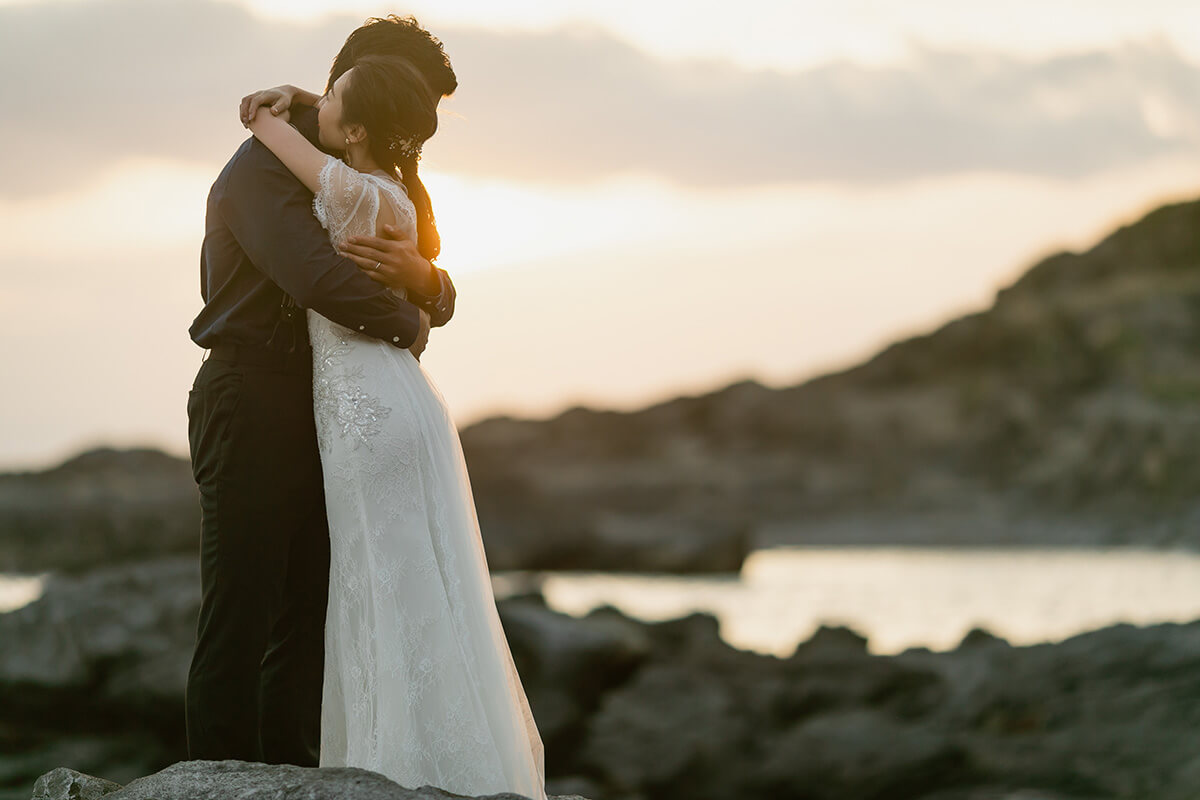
(349, 163)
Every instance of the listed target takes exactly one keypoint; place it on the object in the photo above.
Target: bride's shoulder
(393, 196)
(390, 187)
(336, 175)
(388, 182)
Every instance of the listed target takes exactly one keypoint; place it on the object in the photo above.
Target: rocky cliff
(1068, 413)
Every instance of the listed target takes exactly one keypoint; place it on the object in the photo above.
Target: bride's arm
(289, 145)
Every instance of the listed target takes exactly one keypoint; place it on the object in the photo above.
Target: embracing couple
(347, 615)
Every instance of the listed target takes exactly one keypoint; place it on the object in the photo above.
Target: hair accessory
(408, 146)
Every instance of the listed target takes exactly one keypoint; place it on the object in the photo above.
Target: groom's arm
(390, 258)
(270, 214)
(440, 303)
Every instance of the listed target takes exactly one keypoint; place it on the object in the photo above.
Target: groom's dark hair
(379, 41)
(398, 36)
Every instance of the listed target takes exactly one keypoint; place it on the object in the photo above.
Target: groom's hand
(393, 261)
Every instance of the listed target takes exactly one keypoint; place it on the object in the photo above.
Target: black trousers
(254, 686)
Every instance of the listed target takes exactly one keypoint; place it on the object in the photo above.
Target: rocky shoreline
(91, 678)
(1066, 414)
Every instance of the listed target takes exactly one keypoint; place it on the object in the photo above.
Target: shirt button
(395, 338)
(362, 327)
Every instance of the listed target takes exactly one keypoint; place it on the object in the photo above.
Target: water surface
(907, 597)
(898, 597)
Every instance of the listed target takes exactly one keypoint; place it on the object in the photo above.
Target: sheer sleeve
(347, 203)
(345, 200)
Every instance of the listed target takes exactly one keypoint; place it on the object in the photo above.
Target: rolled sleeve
(440, 307)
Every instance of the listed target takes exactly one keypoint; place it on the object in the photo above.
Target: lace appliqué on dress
(340, 402)
(345, 204)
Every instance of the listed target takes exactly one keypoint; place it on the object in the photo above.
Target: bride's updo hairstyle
(388, 97)
(402, 73)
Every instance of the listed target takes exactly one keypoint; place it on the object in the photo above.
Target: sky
(636, 200)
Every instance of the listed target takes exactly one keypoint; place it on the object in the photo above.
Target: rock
(836, 641)
(1064, 414)
(221, 780)
(670, 726)
(862, 753)
(567, 664)
(92, 673)
(111, 506)
(67, 784)
(102, 507)
(669, 542)
(118, 639)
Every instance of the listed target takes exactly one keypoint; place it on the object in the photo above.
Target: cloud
(90, 84)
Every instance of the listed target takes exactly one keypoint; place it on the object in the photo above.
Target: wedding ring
(378, 264)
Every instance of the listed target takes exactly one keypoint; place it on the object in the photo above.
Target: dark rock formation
(1065, 414)
(101, 507)
(91, 678)
(111, 506)
(92, 674)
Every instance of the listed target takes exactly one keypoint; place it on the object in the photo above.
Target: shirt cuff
(438, 306)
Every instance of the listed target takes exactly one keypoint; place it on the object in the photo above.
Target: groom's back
(241, 304)
(254, 684)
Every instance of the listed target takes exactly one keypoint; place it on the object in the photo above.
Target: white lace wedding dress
(419, 680)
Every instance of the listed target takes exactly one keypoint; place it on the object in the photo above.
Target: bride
(419, 681)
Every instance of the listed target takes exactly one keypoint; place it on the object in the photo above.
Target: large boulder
(222, 780)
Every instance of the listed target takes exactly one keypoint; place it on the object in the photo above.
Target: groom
(254, 686)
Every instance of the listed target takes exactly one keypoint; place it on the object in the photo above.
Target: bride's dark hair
(401, 74)
(388, 97)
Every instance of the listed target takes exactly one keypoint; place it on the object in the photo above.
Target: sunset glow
(634, 200)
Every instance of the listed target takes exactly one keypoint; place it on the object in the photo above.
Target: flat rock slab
(245, 780)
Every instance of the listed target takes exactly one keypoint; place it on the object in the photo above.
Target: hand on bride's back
(278, 100)
(393, 260)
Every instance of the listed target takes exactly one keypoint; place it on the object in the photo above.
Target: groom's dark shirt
(261, 239)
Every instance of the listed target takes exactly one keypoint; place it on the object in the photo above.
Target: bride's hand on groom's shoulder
(278, 99)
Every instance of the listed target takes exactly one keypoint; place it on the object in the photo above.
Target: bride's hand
(279, 99)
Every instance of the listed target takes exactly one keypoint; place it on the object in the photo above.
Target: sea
(897, 597)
